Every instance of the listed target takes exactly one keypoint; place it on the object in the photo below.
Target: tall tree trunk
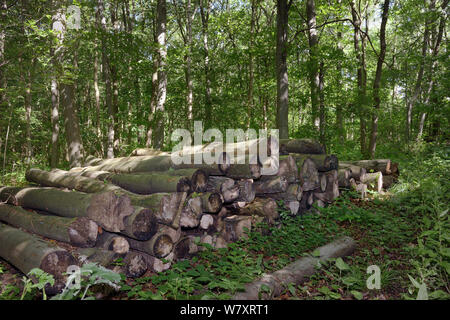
(3, 12)
(97, 102)
(314, 81)
(377, 80)
(162, 74)
(101, 19)
(28, 99)
(418, 86)
(251, 76)
(205, 9)
(189, 85)
(361, 76)
(281, 69)
(322, 111)
(56, 54)
(433, 65)
(339, 105)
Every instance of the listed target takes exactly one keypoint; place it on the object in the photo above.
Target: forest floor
(405, 232)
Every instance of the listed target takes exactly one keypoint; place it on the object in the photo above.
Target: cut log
(186, 248)
(322, 181)
(139, 152)
(331, 191)
(106, 209)
(226, 186)
(374, 181)
(306, 202)
(220, 243)
(294, 192)
(191, 213)
(236, 227)
(388, 181)
(63, 179)
(308, 174)
(26, 252)
(80, 232)
(270, 184)
(206, 221)
(174, 234)
(247, 170)
(264, 207)
(323, 162)
(112, 242)
(383, 165)
(357, 173)
(160, 245)
(151, 183)
(211, 201)
(293, 206)
(247, 192)
(344, 176)
(157, 265)
(132, 264)
(300, 146)
(288, 168)
(141, 224)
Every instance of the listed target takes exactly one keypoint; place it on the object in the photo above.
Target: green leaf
(341, 265)
(358, 295)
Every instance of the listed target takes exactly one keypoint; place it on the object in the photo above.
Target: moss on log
(80, 232)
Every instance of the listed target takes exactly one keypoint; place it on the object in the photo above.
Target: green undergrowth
(404, 233)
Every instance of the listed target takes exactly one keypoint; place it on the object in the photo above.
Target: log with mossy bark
(375, 165)
(331, 191)
(160, 245)
(151, 183)
(236, 227)
(26, 252)
(132, 264)
(357, 172)
(308, 174)
(323, 162)
(80, 232)
(151, 164)
(158, 265)
(264, 207)
(211, 201)
(106, 208)
(139, 152)
(344, 176)
(165, 206)
(270, 184)
(294, 192)
(113, 242)
(307, 146)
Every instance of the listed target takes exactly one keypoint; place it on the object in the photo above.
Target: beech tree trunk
(106, 209)
(80, 232)
(307, 146)
(281, 69)
(377, 81)
(26, 252)
(160, 245)
(112, 242)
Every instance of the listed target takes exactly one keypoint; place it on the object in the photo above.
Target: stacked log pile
(147, 211)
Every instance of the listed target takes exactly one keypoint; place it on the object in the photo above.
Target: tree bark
(300, 146)
(314, 77)
(106, 209)
(205, 9)
(281, 69)
(26, 252)
(112, 242)
(80, 232)
(377, 81)
(160, 245)
(324, 162)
